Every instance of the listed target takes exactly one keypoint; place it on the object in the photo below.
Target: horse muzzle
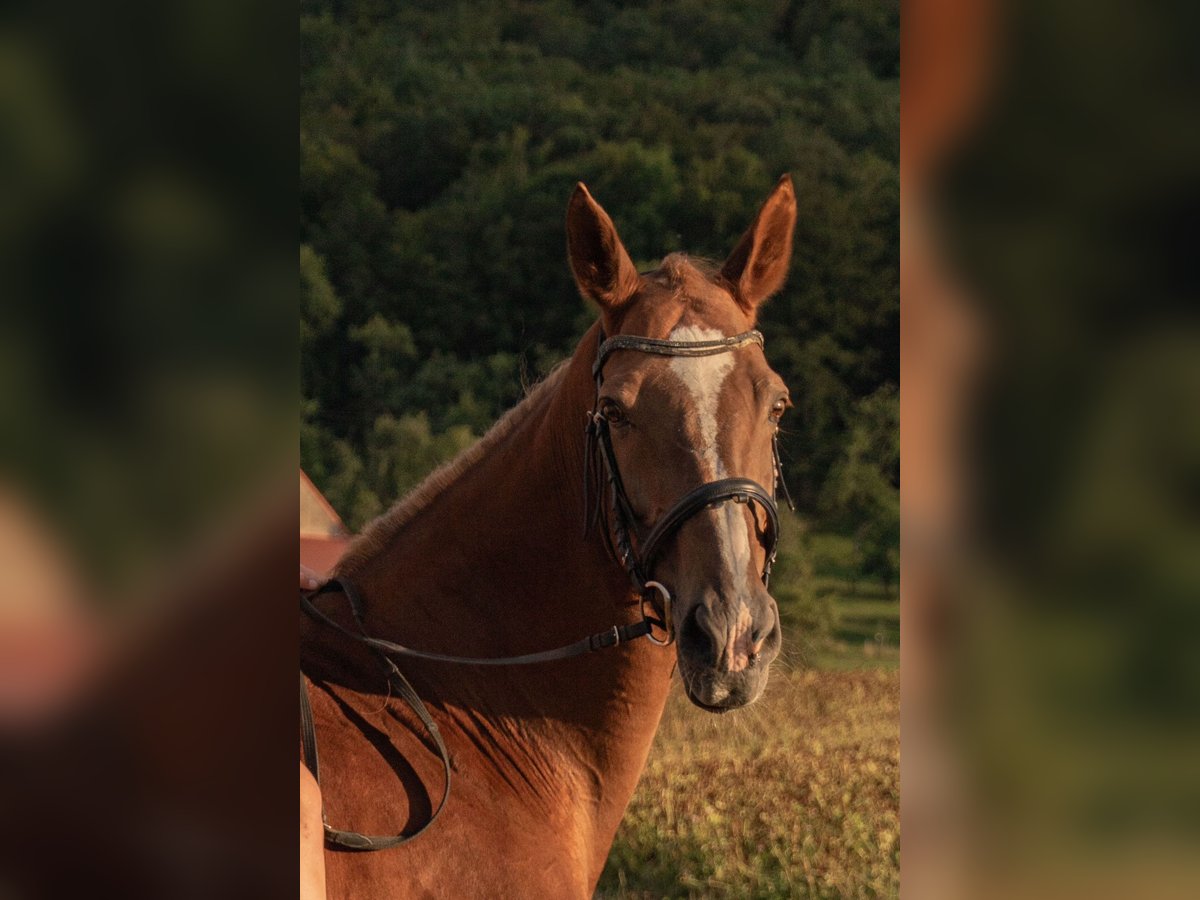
(725, 651)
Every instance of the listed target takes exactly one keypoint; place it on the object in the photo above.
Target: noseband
(618, 531)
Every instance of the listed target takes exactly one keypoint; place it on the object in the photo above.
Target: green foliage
(439, 143)
(319, 305)
(399, 453)
(863, 489)
(832, 616)
(805, 614)
(403, 451)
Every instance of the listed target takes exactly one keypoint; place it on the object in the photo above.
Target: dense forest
(439, 143)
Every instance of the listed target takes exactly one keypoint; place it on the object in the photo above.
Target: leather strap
(779, 479)
(672, 348)
(741, 490)
(619, 502)
(354, 840)
(308, 732)
(610, 637)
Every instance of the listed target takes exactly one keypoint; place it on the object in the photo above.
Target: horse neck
(498, 553)
(498, 565)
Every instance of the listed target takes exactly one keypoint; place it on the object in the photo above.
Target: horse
(669, 406)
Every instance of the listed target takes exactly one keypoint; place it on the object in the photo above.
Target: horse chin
(711, 695)
(719, 710)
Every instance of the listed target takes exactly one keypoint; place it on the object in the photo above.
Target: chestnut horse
(489, 558)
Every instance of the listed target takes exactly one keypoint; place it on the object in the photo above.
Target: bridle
(637, 564)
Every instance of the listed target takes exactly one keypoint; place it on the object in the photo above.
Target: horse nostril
(763, 631)
(693, 631)
(704, 634)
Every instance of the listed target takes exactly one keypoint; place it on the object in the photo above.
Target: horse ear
(601, 265)
(758, 265)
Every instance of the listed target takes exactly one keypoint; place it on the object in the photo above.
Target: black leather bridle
(637, 565)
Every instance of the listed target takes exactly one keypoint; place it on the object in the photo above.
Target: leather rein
(637, 563)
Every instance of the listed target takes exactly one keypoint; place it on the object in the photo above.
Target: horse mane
(381, 531)
(680, 267)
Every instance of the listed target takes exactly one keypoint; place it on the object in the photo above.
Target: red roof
(323, 535)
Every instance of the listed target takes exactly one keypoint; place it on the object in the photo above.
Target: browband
(672, 348)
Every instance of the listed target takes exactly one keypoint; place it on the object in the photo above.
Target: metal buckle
(616, 637)
(667, 621)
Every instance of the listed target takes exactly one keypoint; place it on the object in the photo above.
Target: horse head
(690, 411)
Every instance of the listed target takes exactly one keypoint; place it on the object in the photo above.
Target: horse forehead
(702, 375)
(702, 379)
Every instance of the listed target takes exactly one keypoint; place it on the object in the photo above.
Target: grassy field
(833, 619)
(796, 796)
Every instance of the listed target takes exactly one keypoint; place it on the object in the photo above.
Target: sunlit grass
(797, 796)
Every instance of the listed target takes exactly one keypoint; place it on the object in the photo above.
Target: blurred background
(144, 373)
(147, 412)
(1052, 450)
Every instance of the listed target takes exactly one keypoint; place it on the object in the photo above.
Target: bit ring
(667, 621)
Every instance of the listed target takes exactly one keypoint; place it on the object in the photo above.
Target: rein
(636, 565)
(354, 840)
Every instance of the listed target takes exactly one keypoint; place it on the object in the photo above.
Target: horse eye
(779, 408)
(612, 412)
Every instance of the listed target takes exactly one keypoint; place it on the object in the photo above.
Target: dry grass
(797, 796)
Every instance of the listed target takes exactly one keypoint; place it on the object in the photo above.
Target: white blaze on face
(738, 646)
(704, 378)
